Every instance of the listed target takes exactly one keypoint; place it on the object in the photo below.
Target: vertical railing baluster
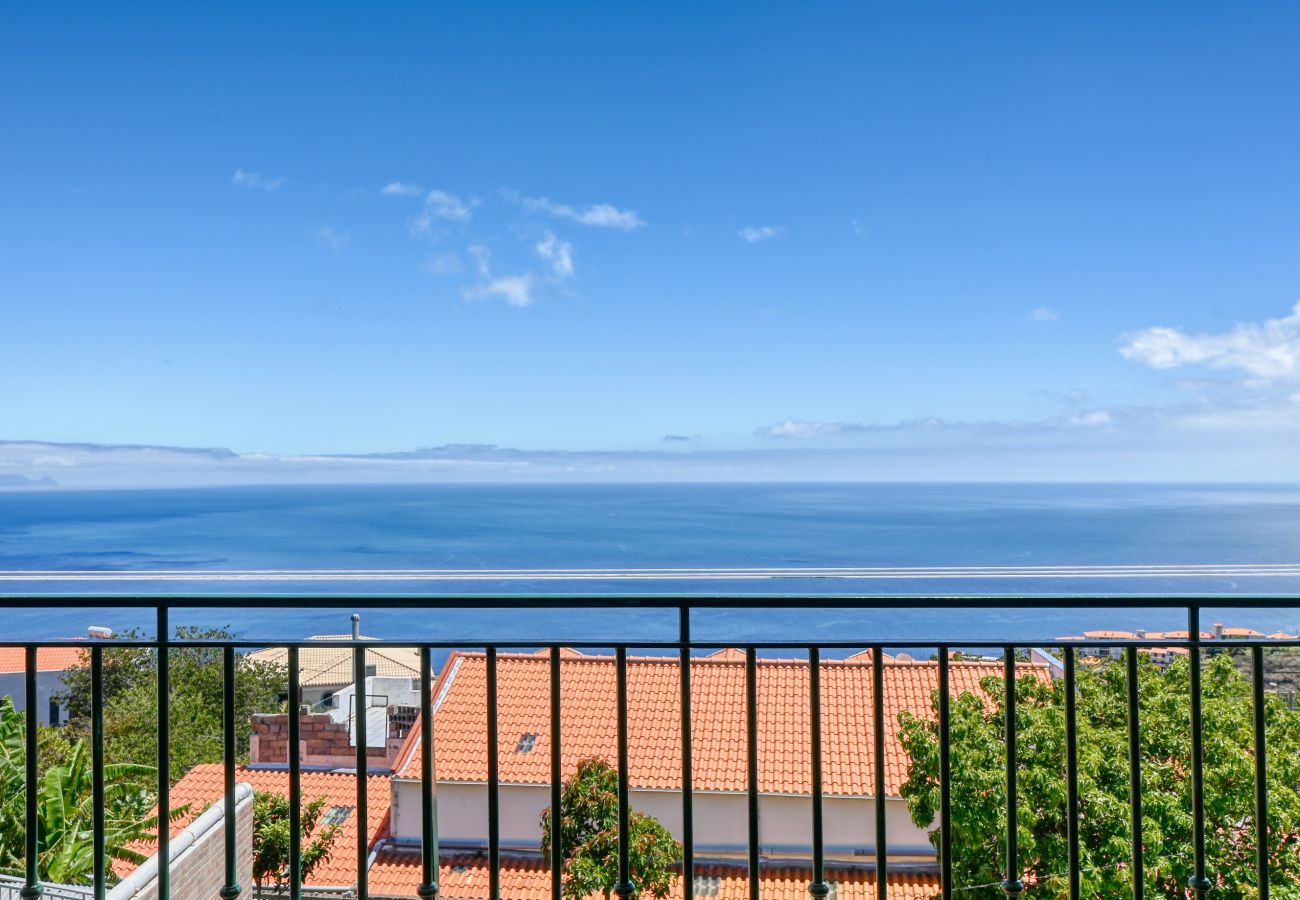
(945, 780)
(818, 887)
(99, 877)
(295, 778)
(1199, 883)
(429, 873)
(625, 889)
(1073, 863)
(878, 747)
(164, 756)
(31, 850)
(1012, 886)
(751, 744)
(360, 713)
(1261, 773)
(231, 889)
(494, 780)
(557, 787)
(1135, 773)
(688, 798)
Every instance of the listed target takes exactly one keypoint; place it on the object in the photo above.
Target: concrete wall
(721, 820)
(198, 857)
(47, 684)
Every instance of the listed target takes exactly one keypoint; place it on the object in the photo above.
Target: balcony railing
(682, 646)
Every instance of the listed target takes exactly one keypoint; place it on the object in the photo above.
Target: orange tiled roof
(588, 704)
(48, 659)
(204, 785)
(1281, 636)
(1241, 632)
(464, 876)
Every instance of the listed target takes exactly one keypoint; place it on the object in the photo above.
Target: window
(336, 815)
(526, 743)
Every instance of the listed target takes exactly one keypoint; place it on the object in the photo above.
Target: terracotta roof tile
(464, 876)
(48, 659)
(204, 785)
(588, 707)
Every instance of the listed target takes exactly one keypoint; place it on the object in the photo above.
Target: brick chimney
(324, 743)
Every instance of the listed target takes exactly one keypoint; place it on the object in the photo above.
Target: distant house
(51, 663)
(325, 671)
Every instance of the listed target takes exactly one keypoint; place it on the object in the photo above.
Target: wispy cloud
(756, 233)
(597, 215)
(516, 290)
(440, 205)
(333, 238)
(1043, 315)
(255, 182)
(799, 428)
(1267, 352)
(401, 189)
(558, 253)
(859, 230)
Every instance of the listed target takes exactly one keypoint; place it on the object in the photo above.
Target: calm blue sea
(1254, 532)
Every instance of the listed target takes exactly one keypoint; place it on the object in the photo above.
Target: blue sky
(970, 231)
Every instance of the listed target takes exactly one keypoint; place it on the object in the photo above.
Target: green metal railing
(163, 643)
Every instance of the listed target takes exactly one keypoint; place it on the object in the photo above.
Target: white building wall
(47, 685)
(721, 820)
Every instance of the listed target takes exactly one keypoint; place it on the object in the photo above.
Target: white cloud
(859, 230)
(444, 264)
(558, 253)
(333, 238)
(598, 215)
(516, 290)
(1267, 352)
(1092, 418)
(1043, 315)
(444, 206)
(400, 189)
(255, 182)
(798, 428)
(754, 234)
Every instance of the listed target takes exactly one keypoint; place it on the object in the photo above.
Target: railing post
(1072, 775)
(878, 748)
(295, 778)
(99, 877)
(494, 780)
(428, 887)
(751, 744)
(231, 889)
(1261, 773)
(1012, 886)
(945, 779)
(31, 888)
(688, 797)
(818, 888)
(1199, 883)
(360, 710)
(557, 787)
(1135, 773)
(164, 756)
(625, 889)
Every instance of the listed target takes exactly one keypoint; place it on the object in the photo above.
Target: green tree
(589, 838)
(65, 814)
(131, 700)
(978, 783)
(271, 839)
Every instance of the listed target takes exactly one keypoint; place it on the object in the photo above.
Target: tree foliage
(65, 814)
(271, 839)
(589, 838)
(131, 700)
(978, 783)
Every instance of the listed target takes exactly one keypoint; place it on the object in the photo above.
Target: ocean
(899, 540)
